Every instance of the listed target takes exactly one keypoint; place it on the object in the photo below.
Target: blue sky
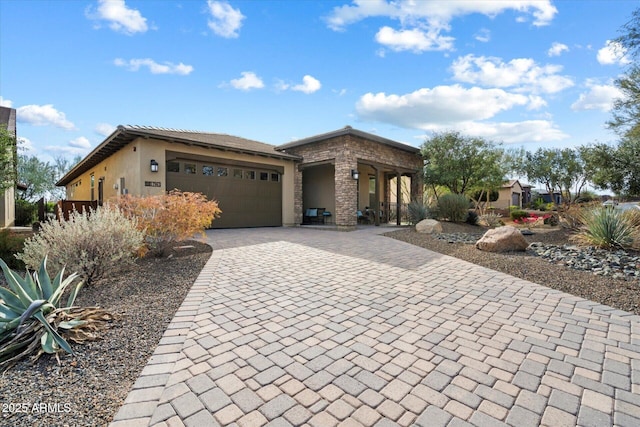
(523, 73)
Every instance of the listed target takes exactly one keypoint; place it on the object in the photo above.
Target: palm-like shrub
(93, 243)
(32, 319)
(417, 211)
(607, 228)
(454, 207)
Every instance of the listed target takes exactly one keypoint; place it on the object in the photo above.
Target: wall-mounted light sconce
(154, 166)
(355, 174)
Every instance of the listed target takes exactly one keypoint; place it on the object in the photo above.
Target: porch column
(297, 195)
(417, 187)
(398, 197)
(346, 191)
(376, 209)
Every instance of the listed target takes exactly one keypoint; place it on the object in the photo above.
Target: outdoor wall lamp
(154, 166)
(355, 174)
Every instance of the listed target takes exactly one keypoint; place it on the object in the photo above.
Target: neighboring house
(7, 200)
(557, 197)
(256, 184)
(510, 194)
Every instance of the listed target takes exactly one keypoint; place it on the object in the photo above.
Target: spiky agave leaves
(25, 309)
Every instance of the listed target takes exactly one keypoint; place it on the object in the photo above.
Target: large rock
(428, 226)
(502, 239)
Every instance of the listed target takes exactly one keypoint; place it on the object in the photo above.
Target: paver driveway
(306, 327)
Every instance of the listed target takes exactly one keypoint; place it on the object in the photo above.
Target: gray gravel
(621, 291)
(87, 389)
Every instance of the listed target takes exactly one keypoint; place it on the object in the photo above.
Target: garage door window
(223, 172)
(249, 174)
(189, 168)
(237, 173)
(173, 167)
(275, 177)
(264, 176)
(207, 170)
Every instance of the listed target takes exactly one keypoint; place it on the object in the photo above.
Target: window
(264, 176)
(275, 177)
(207, 170)
(92, 181)
(190, 168)
(237, 173)
(249, 174)
(173, 167)
(223, 172)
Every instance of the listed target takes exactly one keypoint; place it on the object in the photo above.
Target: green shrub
(10, 245)
(417, 211)
(518, 214)
(607, 228)
(26, 213)
(454, 207)
(472, 217)
(93, 243)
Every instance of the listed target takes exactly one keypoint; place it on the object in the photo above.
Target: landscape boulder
(428, 226)
(502, 239)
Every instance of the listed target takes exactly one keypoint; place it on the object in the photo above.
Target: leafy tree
(562, 171)
(38, 176)
(7, 160)
(462, 164)
(614, 167)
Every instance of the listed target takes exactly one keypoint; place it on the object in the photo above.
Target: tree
(38, 176)
(614, 167)
(7, 161)
(462, 164)
(560, 171)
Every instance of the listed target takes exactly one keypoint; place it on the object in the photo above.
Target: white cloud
(43, 115)
(80, 142)
(309, 85)
(226, 20)
(25, 146)
(556, 49)
(422, 22)
(442, 105)
(104, 129)
(121, 18)
(613, 53)
(521, 73)
(416, 40)
(484, 35)
(599, 97)
(154, 67)
(248, 81)
(5, 102)
(513, 132)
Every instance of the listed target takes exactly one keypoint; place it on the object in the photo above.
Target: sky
(529, 73)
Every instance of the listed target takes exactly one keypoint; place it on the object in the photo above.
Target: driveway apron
(291, 327)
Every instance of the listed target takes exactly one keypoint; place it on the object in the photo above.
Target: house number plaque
(152, 184)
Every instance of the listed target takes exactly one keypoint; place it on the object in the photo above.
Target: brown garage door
(248, 195)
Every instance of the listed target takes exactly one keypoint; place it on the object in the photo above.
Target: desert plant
(92, 243)
(10, 245)
(32, 319)
(491, 219)
(607, 229)
(169, 218)
(518, 214)
(473, 218)
(417, 211)
(454, 207)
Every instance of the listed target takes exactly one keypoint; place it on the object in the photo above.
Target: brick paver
(298, 326)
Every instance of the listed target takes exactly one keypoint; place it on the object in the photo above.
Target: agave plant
(30, 313)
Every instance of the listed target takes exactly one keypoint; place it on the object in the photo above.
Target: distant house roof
(348, 130)
(124, 135)
(510, 183)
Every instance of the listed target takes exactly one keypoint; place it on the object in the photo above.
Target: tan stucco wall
(319, 188)
(504, 196)
(132, 162)
(8, 208)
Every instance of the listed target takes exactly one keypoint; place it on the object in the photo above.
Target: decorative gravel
(88, 388)
(610, 278)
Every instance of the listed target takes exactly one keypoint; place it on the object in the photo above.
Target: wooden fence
(67, 206)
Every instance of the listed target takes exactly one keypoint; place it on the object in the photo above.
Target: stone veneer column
(297, 195)
(417, 187)
(346, 191)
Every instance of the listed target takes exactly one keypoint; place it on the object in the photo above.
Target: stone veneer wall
(346, 151)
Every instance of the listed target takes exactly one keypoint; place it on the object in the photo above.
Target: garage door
(248, 195)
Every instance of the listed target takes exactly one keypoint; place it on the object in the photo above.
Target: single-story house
(256, 184)
(510, 194)
(7, 199)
